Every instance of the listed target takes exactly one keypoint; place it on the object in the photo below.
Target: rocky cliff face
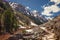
(53, 26)
(33, 16)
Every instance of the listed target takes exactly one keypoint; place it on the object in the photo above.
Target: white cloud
(46, 11)
(49, 9)
(56, 1)
(53, 8)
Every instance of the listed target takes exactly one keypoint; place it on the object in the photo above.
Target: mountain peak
(13, 5)
(27, 12)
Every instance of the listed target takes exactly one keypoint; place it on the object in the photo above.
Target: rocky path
(50, 36)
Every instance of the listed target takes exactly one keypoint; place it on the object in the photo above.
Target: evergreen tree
(10, 21)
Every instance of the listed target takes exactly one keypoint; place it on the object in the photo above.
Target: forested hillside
(8, 20)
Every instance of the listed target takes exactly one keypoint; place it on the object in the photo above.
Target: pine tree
(10, 21)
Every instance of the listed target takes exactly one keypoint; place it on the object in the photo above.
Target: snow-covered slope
(33, 15)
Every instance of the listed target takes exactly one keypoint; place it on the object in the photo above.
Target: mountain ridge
(28, 13)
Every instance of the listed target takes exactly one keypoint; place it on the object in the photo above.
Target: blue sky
(48, 8)
(33, 4)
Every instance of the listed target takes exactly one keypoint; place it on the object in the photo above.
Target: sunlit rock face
(13, 5)
(29, 30)
(33, 15)
(20, 8)
(49, 37)
(33, 24)
(53, 28)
